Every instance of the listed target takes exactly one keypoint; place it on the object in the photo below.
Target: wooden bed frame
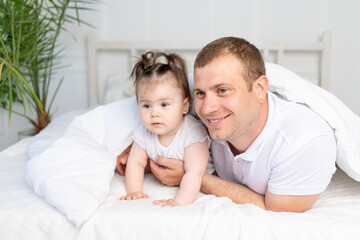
(271, 52)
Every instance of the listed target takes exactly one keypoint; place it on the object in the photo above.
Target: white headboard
(311, 61)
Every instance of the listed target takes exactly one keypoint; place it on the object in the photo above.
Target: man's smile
(216, 121)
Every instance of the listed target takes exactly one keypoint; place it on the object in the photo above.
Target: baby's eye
(164, 104)
(146, 106)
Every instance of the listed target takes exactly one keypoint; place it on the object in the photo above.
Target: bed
(25, 214)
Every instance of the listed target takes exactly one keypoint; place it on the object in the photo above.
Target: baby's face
(162, 106)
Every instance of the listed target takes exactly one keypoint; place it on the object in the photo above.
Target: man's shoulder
(297, 122)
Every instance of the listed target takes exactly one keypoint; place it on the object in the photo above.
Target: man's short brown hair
(248, 55)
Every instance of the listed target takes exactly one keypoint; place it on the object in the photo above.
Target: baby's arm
(195, 161)
(134, 175)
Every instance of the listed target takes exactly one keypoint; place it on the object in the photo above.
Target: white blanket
(73, 174)
(345, 123)
(25, 215)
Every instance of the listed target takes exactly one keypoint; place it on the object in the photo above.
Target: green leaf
(29, 49)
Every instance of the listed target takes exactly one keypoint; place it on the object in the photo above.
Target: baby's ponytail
(152, 65)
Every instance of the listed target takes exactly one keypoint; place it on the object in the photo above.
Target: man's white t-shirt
(294, 154)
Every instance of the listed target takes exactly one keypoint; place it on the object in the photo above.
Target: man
(275, 154)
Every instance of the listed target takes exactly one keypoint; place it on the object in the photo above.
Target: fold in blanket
(73, 174)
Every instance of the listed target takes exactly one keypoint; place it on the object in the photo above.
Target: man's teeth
(217, 120)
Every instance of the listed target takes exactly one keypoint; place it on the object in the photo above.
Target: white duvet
(27, 216)
(75, 174)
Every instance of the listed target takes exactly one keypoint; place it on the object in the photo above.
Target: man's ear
(260, 88)
(186, 105)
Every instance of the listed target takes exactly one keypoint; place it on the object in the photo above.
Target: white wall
(344, 21)
(296, 21)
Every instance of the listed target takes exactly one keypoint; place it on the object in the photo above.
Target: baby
(163, 97)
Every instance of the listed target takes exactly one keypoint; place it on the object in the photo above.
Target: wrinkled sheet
(25, 215)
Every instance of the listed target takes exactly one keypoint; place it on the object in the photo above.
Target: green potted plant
(29, 53)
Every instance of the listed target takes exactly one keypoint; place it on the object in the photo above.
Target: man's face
(223, 101)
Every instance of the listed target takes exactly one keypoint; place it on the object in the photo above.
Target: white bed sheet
(24, 215)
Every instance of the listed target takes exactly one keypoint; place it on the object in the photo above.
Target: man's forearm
(237, 193)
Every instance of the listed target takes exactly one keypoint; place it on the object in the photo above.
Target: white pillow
(345, 123)
(118, 87)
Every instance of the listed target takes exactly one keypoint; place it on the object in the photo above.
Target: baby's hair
(153, 65)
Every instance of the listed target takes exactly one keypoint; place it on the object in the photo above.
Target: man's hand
(169, 171)
(122, 160)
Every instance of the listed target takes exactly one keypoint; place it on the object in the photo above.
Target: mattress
(24, 215)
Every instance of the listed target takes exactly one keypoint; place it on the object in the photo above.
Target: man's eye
(164, 104)
(222, 90)
(200, 94)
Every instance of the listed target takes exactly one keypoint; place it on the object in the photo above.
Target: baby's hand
(134, 196)
(164, 202)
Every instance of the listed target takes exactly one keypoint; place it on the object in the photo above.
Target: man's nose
(209, 105)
